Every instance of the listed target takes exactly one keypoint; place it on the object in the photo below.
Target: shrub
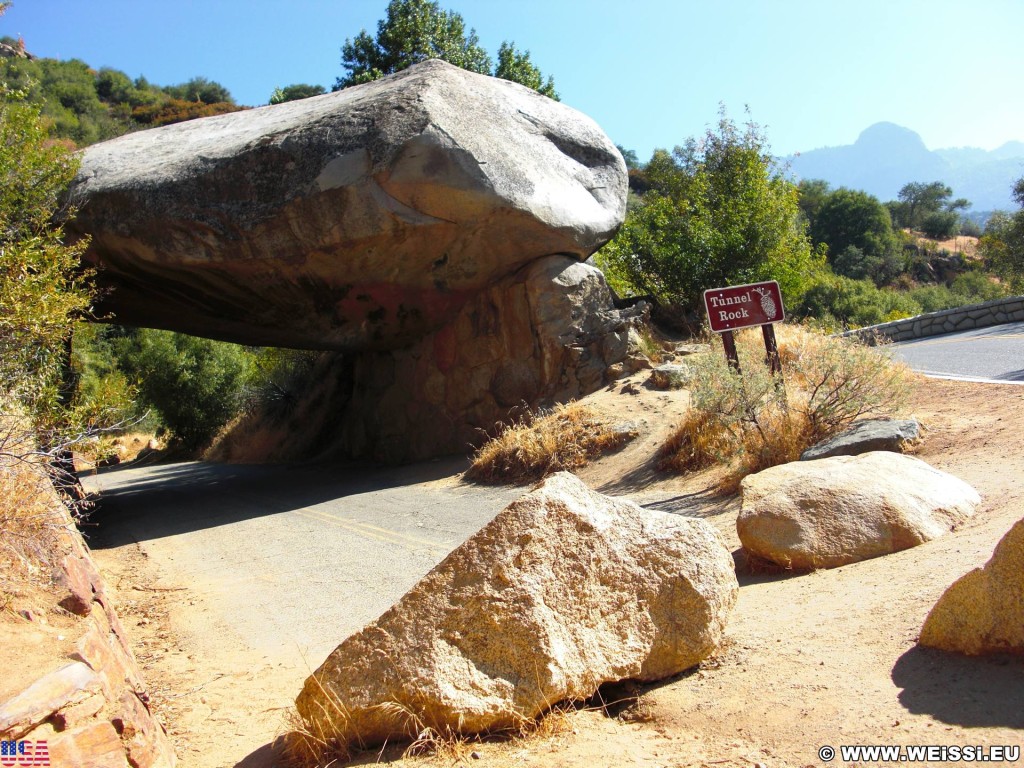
(879, 268)
(649, 345)
(197, 385)
(753, 420)
(698, 442)
(295, 92)
(41, 288)
(564, 438)
(720, 211)
(178, 111)
(854, 303)
(969, 288)
(941, 225)
(932, 298)
(970, 228)
(28, 523)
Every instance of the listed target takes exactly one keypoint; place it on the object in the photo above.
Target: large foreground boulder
(362, 219)
(983, 612)
(830, 512)
(564, 590)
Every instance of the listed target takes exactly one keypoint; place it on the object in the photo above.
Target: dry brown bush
(564, 438)
(752, 421)
(323, 742)
(29, 523)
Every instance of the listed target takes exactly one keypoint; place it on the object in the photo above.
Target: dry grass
(564, 438)
(247, 439)
(785, 435)
(29, 525)
(113, 448)
(698, 442)
(753, 421)
(650, 346)
(328, 741)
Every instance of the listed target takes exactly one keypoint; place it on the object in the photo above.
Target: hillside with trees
(721, 210)
(83, 105)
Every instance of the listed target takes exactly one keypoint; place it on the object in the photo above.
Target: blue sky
(652, 73)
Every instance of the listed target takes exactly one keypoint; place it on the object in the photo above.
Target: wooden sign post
(745, 306)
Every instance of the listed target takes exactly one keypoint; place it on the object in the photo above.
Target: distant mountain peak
(886, 156)
(890, 138)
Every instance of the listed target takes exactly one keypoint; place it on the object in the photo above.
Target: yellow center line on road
(372, 531)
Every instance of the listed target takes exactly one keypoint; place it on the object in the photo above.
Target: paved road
(984, 354)
(291, 559)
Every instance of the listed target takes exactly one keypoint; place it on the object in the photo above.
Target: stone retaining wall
(947, 320)
(91, 708)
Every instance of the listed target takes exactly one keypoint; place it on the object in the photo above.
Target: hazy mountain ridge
(886, 156)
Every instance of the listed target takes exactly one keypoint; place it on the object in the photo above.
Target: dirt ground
(826, 658)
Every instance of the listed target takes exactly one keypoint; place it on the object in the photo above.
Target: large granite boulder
(831, 512)
(563, 590)
(357, 220)
(546, 334)
(983, 611)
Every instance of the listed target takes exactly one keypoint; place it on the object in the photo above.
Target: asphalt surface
(290, 559)
(983, 354)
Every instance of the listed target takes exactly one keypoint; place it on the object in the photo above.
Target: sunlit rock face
(358, 220)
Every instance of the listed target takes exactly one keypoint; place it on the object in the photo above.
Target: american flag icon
(24, 753)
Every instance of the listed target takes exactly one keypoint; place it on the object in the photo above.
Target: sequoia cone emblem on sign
(767, 303)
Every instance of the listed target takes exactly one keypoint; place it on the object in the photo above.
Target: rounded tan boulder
(983, 612)
(563, 590)
(835, 511)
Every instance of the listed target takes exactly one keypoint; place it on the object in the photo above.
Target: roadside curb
(997, 312)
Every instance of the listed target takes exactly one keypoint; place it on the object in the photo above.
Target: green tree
(517, 67)
(629, 155)
(200, 89)
(719, 212)
(417, 30)
(1002, 244)
(66, 93)
(917, 200)
(857, 231)
(295, 92)
(115, 87)
(77, 103)
(813, 194)
(940, 225)
(196, 385)
(851, 217)
(413, 31)
(41, 288)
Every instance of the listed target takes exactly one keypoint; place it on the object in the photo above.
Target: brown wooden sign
(744, 306)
